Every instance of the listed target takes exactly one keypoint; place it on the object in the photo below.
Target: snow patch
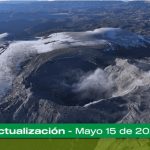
(3, 35)
(20, 51)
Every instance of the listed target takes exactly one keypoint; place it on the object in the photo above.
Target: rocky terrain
(96, 76)
(24, 20)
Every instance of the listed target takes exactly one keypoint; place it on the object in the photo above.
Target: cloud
(94, 85)
(114, 81)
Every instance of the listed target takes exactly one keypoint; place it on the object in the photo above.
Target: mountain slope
(92, 76)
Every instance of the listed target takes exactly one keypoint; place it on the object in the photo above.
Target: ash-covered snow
(20, 51)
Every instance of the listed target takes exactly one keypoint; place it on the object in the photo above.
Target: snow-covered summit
(13, 54)
(117, 36)
(96, 37)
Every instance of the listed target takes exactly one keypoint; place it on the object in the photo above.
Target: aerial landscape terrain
(75, 62)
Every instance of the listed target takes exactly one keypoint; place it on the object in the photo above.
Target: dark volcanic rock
(44, 91)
